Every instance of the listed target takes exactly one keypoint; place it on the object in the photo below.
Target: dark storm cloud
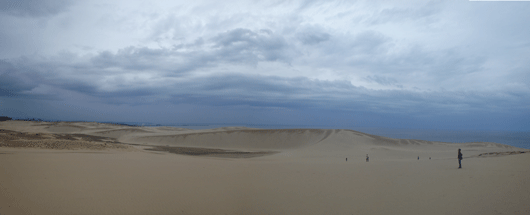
(260, 91)
(238, 90)
(13, 81)
(26, 78)
(33, 8)
(270, 87)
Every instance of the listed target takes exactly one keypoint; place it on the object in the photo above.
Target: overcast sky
(399, 64)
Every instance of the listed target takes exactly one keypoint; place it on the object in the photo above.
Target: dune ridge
(270, 139)
(237, 138)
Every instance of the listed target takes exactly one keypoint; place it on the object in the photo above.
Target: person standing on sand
(367, 158)
(459, 159)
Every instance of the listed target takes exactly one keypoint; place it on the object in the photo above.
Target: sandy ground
(94, 168)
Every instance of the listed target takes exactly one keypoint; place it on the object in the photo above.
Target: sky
(390, 64)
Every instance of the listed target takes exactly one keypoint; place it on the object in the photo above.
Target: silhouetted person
(367, 158)
(346, 159)
(418, 157)
(459, 159)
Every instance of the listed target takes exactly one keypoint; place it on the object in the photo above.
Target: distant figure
(429, 158)
(367, 158)
(346, 159)
(459, 159)
(418, 157)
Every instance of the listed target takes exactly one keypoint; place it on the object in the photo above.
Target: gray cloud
(397, 60)
(237, 89)
(423, 13)
(247, 92)
(13, 81)
(33, 8)
(386, 81)
(312, 35)
(250, 46)
(239, 46)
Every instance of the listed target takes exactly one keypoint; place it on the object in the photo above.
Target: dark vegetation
(16, 139)
(5, 118)
(209, 152)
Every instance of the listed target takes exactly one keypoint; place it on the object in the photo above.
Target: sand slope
(306, 174)
(241, 139)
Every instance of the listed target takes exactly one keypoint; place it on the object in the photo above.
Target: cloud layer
(429, 62)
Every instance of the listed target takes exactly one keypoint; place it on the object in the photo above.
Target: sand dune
(96, 168)
(241, 139)
(117, 133)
